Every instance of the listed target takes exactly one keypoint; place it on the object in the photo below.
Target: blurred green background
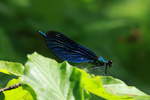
(116, 29)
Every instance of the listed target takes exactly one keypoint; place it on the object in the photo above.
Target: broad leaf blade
(53, 81)
(11, 67)
(120, 87)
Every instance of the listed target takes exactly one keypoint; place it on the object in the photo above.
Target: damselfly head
(104, 62)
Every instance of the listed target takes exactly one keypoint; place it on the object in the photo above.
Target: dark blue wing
(67, 49)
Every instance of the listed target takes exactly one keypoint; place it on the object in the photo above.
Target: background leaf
(12, 67)
(10, 73)
(20, 93)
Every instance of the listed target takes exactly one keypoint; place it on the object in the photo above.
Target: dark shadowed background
(116, 29)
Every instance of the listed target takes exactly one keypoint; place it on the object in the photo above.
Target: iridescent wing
(66, 49)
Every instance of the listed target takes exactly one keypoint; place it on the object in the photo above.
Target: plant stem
(10, 87)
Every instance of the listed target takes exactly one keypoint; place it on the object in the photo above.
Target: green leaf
(9, 75)
(20, 93)
(9, 71)
(53, 81)
(11, 67)
(120, 87)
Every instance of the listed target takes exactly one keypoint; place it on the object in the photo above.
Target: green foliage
(45, 79)
(14, 68)
(10, 74)
(21, 93)
(116, 29)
